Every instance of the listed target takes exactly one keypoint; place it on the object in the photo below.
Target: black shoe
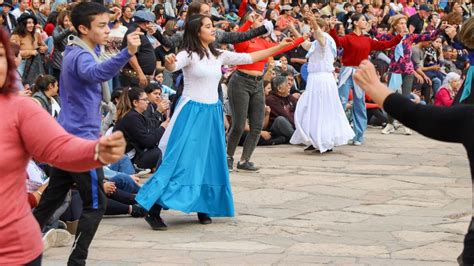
(459, 260)
(310, 149)
(230, 164)
(138, 211)
(246, 167)
(204, 218)
(156, 223)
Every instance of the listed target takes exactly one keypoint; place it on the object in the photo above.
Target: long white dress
(319, 117)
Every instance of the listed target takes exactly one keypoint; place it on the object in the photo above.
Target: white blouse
(202, 76)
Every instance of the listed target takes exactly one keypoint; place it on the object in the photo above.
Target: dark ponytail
(355, 18)
(42, 83)
(125, 103)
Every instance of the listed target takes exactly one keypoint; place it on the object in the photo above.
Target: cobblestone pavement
(396, 200)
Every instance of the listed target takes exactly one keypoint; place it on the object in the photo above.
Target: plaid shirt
(404, 65)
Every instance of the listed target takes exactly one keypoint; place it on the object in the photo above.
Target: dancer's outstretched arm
(452, 124)
(263, 54)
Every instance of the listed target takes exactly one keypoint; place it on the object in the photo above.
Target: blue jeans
(123, 165)
(124, 182)
(359, 112)
(437, 78)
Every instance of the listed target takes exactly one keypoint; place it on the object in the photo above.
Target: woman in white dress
(193, 176)
(320, 121)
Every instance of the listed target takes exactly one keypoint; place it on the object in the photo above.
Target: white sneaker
(356, 143)
(407, 131)
(389, 128)
(143, 173)
(48, 239)
(56, 238)
(63, 238)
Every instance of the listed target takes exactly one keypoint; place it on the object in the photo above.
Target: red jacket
(443, 98)
(358, 48)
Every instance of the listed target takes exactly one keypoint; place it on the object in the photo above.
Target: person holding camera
(141, 67)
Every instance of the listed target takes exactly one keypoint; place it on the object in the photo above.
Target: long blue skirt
(193, 176)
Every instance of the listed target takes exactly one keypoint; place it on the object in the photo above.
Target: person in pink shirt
(409, 10)
(446, 94)
(29, 131)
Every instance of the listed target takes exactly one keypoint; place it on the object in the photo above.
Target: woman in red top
(357, 47)
(446, 94)
(28, 131)
(246, 97)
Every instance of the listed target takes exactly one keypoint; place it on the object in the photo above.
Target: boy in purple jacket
(80, 90)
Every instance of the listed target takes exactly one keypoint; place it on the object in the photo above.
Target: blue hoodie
(80, 90)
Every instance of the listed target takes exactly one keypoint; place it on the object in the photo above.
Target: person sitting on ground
(158, 107)
(45, 92)
(450, 56)
(142, 140)
(282, 107)
(283, 66)
(446, 94)
(294, 90)
(432, 63)
(120, 190)
(159, 77)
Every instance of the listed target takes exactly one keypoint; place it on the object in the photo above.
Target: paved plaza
(396, 200)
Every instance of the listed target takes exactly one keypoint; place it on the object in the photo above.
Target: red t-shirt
(28, 130)
(257, 44)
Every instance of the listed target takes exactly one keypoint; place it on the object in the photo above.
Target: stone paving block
(326, 249)
(442, 251)
(414, 236)
(268, 196)
(381, 209)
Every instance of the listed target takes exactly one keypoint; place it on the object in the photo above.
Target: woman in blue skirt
(193, 176)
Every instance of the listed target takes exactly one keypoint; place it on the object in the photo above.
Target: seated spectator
(45, 91)
(282, 107)
(432, 63)
(294, 90)
(158, 107)
(446, 94)
(54, 233)
(375, 114)
(283, 66)
(449, 55)
(159, 77)
(142, 140)
(409, 10)
(422, 81)
(108, 122)
(120, 189)
(433, 22)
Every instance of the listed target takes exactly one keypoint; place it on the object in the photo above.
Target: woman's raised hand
(286, 42)
(170, 59)
(366, 76)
